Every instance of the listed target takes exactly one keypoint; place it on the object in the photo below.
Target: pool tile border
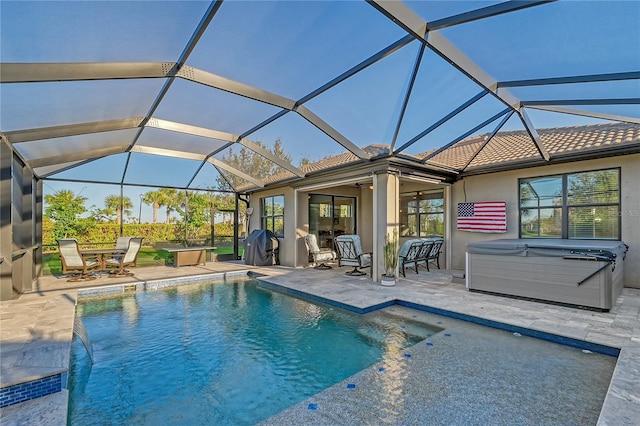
(26, 391)
(567, 341)
(158, 284)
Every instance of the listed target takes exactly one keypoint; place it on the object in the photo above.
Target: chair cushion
(323, 256)
(405, 247)
(365, 259)
(312, 243)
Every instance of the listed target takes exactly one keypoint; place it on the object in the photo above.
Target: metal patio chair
(409, 255)
(319, 255)
(121, 261)
(350, 253)
(434, 253)
(75, 263)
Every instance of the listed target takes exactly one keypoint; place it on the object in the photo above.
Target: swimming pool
(219, 353)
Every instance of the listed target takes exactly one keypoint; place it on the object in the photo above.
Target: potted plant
(390, 259)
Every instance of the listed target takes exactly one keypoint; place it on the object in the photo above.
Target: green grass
(147, 257)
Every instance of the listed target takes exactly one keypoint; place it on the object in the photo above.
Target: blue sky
(290, 48)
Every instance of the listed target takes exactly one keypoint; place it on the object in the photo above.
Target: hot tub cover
(605, 249)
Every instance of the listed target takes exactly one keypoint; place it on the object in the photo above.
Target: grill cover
(261, 248)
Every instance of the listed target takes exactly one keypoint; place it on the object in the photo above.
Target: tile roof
(503, 149)
(517, 146)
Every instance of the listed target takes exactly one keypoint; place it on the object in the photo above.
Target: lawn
(147, 257)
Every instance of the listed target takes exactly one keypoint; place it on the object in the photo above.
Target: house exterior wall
(286, 245)
(504, 186)
(293, 251)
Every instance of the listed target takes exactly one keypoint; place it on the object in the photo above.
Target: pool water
(229, 353)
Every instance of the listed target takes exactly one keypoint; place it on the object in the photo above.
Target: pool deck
(36, 332)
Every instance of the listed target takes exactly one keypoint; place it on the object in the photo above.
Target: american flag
(486, 216)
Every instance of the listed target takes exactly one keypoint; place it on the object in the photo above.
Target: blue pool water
(224, 353)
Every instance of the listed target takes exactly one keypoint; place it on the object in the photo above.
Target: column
(386, 216)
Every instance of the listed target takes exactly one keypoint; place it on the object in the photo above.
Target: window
(273, 214)
(422, 213)
(582, 205)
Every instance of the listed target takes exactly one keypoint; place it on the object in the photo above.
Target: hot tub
(585, 273)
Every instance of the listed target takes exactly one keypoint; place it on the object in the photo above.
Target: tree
(251, 163)
(112, 204)
(63, 209)
(195, 214)
(171, 199)
(155, 199)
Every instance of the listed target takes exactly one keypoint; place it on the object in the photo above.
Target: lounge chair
(73, 261)
(121, 261)
(350, 253)
(320, 256)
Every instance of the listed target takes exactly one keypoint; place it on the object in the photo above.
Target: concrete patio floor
(36, 329)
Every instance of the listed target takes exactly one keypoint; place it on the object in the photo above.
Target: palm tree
(156, 199)
(170, 198)
(112, 203)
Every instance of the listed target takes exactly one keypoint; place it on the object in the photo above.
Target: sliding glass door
(330, 216)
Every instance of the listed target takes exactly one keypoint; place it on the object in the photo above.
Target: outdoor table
(103, 254)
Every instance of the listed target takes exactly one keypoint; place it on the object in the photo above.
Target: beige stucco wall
(286, 248)
(296, 219)
(504, 186)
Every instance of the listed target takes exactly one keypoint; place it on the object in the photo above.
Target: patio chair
(350, 253)
(73, 261)
(434, 253)
(121, 261)
(122, 243)
(320, 255)
(409, 255)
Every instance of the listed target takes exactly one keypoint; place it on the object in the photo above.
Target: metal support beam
(593, 78)
(610, 101)
(231, 86)
(270, 156)
(188, 129)
(440, 122)
(465, 135)
(42, 133)
(76, 156)
(405, 103)
(168, 152)
(331, 132)
(535, 137)
(415, 25)
(222, 136)
(491, 136)
(483, 13)
(80, 71)
(232, 170)
(612, 117)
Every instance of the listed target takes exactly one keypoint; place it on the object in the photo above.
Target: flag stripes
(486, 216)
